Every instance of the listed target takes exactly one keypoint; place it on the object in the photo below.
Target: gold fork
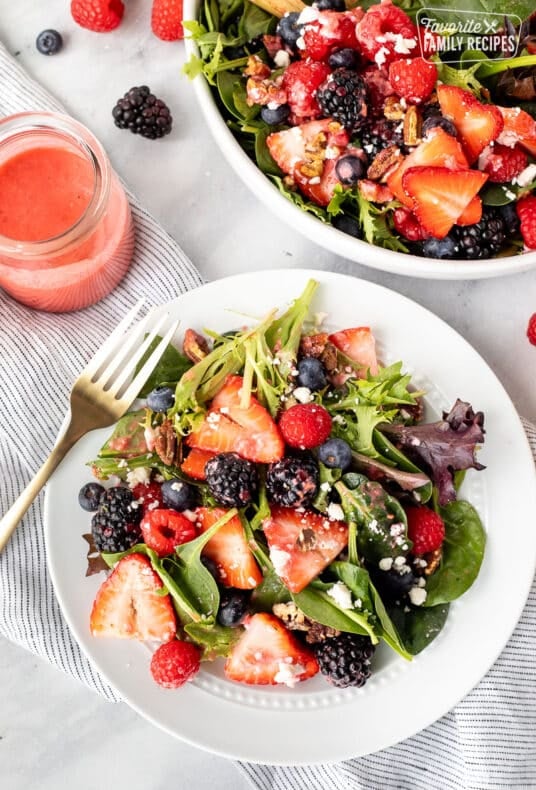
(98, 397)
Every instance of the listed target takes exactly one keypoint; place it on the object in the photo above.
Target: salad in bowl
(280, 503)
(352, 116)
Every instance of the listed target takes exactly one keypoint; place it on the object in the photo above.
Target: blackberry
(115, 525)
(232, 480)
(380, 134)
(343, 96)
(143, 113)
(345, 659)
(484, 239)
(293, 481)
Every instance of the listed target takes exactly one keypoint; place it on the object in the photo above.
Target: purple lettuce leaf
(445, 447)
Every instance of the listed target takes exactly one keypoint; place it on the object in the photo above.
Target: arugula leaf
(298, 199)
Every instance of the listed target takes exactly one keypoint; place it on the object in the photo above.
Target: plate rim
(300, 275)
(357, 250)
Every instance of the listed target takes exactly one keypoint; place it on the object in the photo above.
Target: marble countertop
(53, 732)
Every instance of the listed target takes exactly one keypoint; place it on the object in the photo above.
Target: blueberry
(435, 121)
(161, 399)
(49, 42)
(350, 169)
(347, 225)
(509, 216)
(211, 567)
(335, 454)
(311, 374)
(439, 248)
(178, 495)
(330, 5)
(89, 496)
(276, 116)
(233, 606)
(289, 30)
(345, 58)
(391, 584)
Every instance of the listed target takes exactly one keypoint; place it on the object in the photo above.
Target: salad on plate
(359, 116)
(279, 501)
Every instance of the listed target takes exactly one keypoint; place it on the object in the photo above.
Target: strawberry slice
(228, 427)
(129, 605)
(194, 463)
(302, 544)
(477, 124)
(437, 150)
(229, 550)
(441, 196)
(519, 127)
(359, 345)
(319, 190)
(268, 654)
(472, 214)
(290, 146)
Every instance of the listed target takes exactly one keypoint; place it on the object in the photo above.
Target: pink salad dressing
(66, 235)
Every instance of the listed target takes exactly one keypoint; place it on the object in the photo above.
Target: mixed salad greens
(247, 55)
(267, 549)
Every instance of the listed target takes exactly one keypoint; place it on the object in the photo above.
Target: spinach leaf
(128, 437)
(388, 631)
(357, 580)
(255, 22)
(269, 592)
(316, 604)
(263, 155)
(418, 627)
(225, 83)
(463, 552)
(168, 371)
(214, 640)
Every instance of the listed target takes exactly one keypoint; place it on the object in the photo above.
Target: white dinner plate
(315, 722)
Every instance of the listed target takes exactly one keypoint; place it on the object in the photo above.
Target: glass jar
(66, 232)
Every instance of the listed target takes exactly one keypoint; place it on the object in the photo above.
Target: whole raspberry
(305, 425)
(383, 30)
(301, 81)
(163, 529)
(413, 80)
(166, 19)
(503, 164)
(426, 529)
(531, 329)
(526, 211)
(101, 16)
(174, 663)
(407, 225)
(148, 496)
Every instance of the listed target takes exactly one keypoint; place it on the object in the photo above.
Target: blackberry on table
(345, 659)
(343, 97)
(141, 112)
(293, 481)
(116, 524)
(232, 480)
(484, 239)
(380, 133)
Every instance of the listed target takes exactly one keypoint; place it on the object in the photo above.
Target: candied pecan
(319, 633)
(313, 345)
(433, 558)
(166, 445)
(257, 68)
(393, 109)
(412, 126)
(384, 163)
(195, 346)
(293, 618)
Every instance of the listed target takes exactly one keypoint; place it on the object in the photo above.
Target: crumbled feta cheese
(273, 105)
(335, 512)
(279, 560)
(341, 595)
(509, 194)
(379, 57)
(325, 487)
(122, 463)
(300, 43)
(386, 564)
(332, 152)
(339, 419)
(526, 176)
(314, 180)
(303, 394)
(319, 318)
(288, 673)
(140, 475)
(421, 582)
(399, 561)
(282, 59)
(417, 596)
(309, 14)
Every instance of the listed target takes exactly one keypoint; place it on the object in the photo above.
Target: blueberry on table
(335, 454)
(49, 42)
(89, 496)
(178, 495)
(349, 169)
(275, 116)
(161, 399)
(233, 606)
(311, 374)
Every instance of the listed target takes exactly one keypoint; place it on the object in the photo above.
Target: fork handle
(12, 518)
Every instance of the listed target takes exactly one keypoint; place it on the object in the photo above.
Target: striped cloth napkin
(487, 741)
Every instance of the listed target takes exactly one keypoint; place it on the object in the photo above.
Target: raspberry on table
(174, 663)
(426, 529)
(531, 329)
(166, 19)
(100, 16)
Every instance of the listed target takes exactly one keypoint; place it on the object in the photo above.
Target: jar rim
(26, 123)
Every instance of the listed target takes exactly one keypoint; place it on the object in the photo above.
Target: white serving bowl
(325, 235)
